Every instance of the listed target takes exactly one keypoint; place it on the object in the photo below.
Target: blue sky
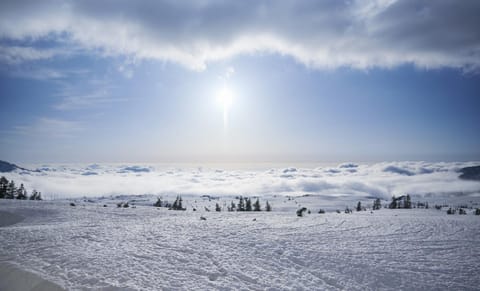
(125, 82)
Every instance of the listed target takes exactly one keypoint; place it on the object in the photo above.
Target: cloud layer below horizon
(333, 185)
(320, 34)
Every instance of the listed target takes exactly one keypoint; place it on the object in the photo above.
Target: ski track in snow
(145, 248)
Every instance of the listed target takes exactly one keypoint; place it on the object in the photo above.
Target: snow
(15, 279)
(146, 248)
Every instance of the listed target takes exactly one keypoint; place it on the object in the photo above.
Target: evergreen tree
(359, 206)
(3, 187)
(232, 206)
(11, 190)
(217, 207)
(175, 204)
(248, 205)
(158, 203)
(268, 207)
(477, 211)
(21, 193)
(256, 205)
(241, 205)
(377, 204)
(34, 195)
(408, 202)
(393, 204)
(180, 207)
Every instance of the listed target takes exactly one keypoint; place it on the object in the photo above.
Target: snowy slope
(145, 248)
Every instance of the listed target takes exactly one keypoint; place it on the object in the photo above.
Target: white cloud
(320, 34)
(367, 182)
(19, 54)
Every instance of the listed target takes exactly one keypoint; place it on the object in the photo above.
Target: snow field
(90, 247)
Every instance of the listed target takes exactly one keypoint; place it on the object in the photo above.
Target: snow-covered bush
(301, 211)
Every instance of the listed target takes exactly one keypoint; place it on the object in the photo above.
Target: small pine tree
(377, 204)
(232, 206)
(11, 190)
(408, 202)
(241, 205)
(268, 207)
(180, 206)
(38, 196)
(34, 194)
(175, 204)
(477, 211)
(426, 205)
(217, 207)
(21, 193)
(3, 187)
(158, 203)
(359, 206)
(256, 205)
(393, 204)
(248, 205)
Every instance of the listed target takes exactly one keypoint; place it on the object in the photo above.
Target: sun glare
(225, 98)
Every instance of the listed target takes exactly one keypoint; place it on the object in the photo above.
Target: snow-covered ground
(146, 248)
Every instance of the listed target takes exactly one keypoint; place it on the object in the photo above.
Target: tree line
(8, 190)
(244, 204)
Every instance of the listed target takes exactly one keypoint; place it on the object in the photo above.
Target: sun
(225, 98)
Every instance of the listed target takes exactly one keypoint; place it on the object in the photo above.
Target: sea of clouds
(357, 181)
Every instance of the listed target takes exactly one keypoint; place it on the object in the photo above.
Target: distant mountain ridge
(470, 173)
(6, 167)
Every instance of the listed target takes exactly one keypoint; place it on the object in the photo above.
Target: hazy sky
(192, 81)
